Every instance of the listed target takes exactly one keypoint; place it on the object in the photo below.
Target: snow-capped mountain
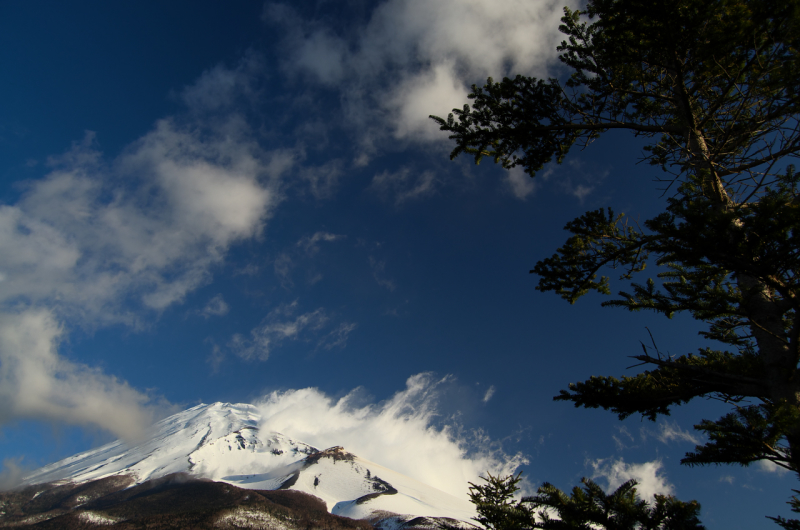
(223, 442)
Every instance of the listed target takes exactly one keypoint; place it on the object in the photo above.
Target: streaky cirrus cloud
(310, 244)
(99, 241)
(671, 431)
(306, 247)
(283, 324)
(405, 433)
(404, 186)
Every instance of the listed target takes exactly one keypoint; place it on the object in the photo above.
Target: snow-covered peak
(207, 440)
(223, 442)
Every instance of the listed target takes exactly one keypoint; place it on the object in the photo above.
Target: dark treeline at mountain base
(713, 84)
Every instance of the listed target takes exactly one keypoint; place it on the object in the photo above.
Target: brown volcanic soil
(176, 501)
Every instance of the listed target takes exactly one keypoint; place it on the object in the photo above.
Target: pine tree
(587, 507)
(712, 85)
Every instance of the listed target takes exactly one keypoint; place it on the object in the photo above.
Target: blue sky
(204, 202)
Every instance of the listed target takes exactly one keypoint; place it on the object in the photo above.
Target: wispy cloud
(224, 88)
(323, 180)
(402, 186)
(489, 393)
(619, 441)
(293, 257)
(401, 433)
(282, 325)
(379, 273)
(283, 266)
(669, 432)
(216, 307)
(310, 244)
(337, 338)
(617, 472)
(581, 192)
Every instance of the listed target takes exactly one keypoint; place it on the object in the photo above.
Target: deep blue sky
(262, 205)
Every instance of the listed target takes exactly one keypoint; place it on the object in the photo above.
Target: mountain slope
(222, 442)
(171, 502)
(207, 440)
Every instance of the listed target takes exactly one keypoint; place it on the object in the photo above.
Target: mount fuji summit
(221, 446)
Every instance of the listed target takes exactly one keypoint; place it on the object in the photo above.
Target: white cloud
(147, 229)
(36, 382)
(771, 467)
(413, 58)
(480, 37)
(399, 433)
(581, 192)
(404, 61)
(100, 241)
(522, 185)
(489, 393)
(216, 307)
(434, 91)
(617, 472)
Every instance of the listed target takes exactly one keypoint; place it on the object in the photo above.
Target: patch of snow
(246, 518)
(98, 518)
(38, 518)
(82, 499)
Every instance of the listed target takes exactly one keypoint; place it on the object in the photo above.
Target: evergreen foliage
(587, 507)
(713, 86)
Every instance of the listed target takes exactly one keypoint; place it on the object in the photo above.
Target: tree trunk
(764, 312)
